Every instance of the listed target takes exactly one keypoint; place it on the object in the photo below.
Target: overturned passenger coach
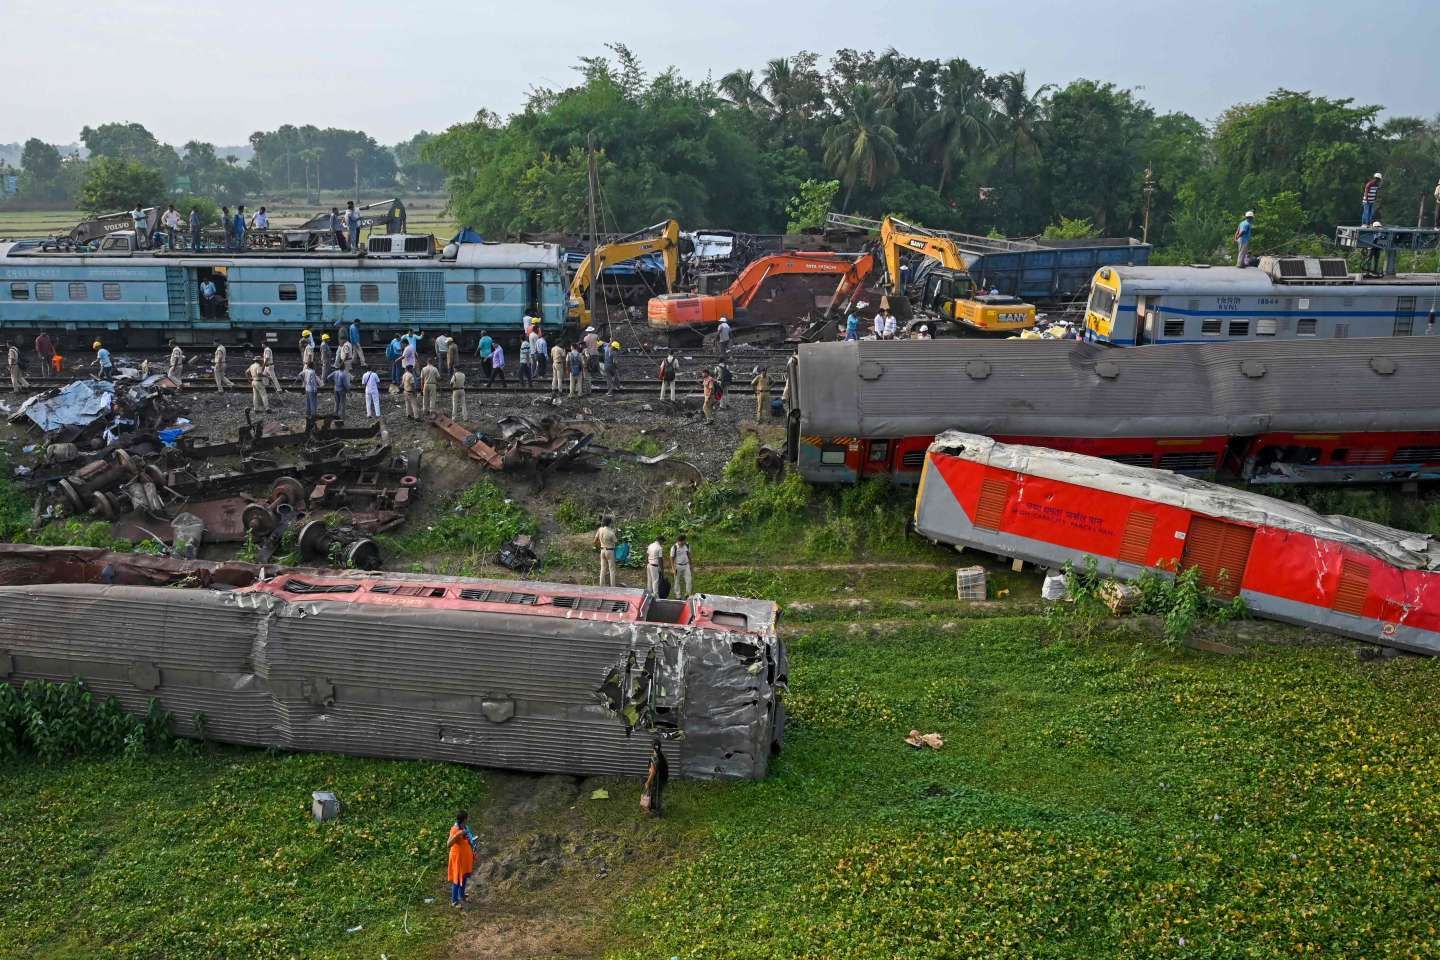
(545, 677)
(1052, 507)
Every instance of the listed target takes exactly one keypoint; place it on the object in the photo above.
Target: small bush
(56, 721)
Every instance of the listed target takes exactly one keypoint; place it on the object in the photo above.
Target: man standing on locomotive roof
(1242, 239)
(1370, 199)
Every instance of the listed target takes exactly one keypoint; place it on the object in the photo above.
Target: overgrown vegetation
(1182, 602)
(57, 721)
(481, 520)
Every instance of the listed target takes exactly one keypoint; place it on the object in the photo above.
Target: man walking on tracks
(221, 381)
(458, 408)
(268, 358)
(1242, 239)
(761, 384)
(17, 379)
(429, 385)
(611, 365)
(177, 363)
(342, 388)
(310, 381)
(324, 356)
(557, 368)
(497, 368)
(576, 360)
(1370, 199)
(722, 336)
(408, 387)
(669, 373)
(45, 352)
(371, 382)
(259, 400)
(605, 541)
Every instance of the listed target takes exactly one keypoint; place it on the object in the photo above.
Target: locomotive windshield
(1102, 301)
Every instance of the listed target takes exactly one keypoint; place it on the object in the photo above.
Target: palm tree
(1022, 112)
(738, 86)
(356, 155)
(861, 145)
(961, 121)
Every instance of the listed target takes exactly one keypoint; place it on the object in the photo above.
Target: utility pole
(594, 178)
(1149, 192)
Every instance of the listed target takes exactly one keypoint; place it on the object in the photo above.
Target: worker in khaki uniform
(606, 541)
(345, 355)
(307, 348)
(557, 368)
(761, 383)
(680, 566)
(458, 409)
(177, 363)
(429, 386)
(259, 400)
(221, 381)
(324, 356)
(17, 379)
(408, 386)
(452, 354)
(267, 359)
(654, 564)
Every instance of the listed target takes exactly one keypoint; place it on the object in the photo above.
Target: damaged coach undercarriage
(551, 678)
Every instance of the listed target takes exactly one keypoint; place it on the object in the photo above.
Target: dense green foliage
(941, 141)
(56, 721)
(476, 525)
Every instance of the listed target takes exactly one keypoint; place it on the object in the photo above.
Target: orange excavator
(696, 314)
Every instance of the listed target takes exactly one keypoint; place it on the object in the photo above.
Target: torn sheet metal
(1049, 507)
(76, 406)
(552, 678)
(472, 443)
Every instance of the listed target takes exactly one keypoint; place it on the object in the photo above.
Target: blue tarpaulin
(467, 235)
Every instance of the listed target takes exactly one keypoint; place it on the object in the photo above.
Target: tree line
(941, 142)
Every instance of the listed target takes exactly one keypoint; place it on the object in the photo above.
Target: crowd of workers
(238, 227)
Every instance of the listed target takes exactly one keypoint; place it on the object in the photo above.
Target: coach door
(1220, 550)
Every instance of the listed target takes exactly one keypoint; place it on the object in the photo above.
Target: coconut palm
(1021, 111)
(961, 123)
(356, 154)
(861, 145)
(739, 87)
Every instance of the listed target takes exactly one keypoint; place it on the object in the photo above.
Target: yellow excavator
(662, 238)
(949, 291)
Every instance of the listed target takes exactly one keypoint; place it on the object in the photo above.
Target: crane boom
(662, 238)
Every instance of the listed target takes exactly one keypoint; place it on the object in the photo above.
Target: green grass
(1106, 799)
(473, 527)
(214, 854)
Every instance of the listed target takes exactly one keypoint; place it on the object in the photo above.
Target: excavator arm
(662, 238)
(897, 236)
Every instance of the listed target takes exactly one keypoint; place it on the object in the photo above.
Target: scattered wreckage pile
(124, 452)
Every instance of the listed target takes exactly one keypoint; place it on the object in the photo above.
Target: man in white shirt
(261, 220)
(877, 325)
(654, 563)
(888, 333)
(722, 335)
(171, 222)
(442, 353)
(371, 382)
(680, 566)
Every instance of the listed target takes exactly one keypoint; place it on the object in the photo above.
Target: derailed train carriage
(1288, 563)
(551, 678)
(1332, 411)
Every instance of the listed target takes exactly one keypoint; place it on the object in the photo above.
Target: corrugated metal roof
(1200, 281)
(1067, 388)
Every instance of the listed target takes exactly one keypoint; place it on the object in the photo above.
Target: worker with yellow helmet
(102, 359)
(307, 348)
(610, 365)
(324, 356)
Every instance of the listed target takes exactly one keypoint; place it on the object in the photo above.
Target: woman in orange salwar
(462, 858)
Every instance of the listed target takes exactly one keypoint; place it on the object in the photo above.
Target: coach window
(287, 291)
(78, 291)
(879, 451)
(44, 291)
(1305, 327)
(110, 291)
(474, 293)
(1210, 327)
(832, 454)
(19, 291)
(1239, 328)
(369, 293)
(1265, 327)
(336, 293)
(1174, 328)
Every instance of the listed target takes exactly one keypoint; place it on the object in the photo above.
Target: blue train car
(1285, 298)
(142, 298)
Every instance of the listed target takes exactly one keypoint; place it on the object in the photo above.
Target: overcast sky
(218, 71)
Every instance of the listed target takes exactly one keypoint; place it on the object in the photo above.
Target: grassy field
(1116, 796)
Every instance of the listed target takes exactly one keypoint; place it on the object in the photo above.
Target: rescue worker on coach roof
(195, 228)
(352, 223)
(1242, 239)
(1370, 199)
(240, 227)
(337, 229)
(606, 541)
(228, 224)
